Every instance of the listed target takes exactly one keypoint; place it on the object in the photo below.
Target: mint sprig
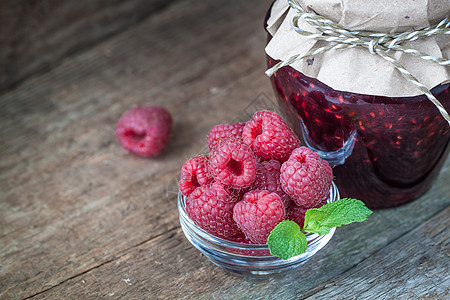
(287, 239)
(335, 214)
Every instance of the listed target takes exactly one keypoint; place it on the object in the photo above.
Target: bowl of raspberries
(255, 176)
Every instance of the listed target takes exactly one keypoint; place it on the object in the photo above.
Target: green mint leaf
(286, 240)
(335, 214)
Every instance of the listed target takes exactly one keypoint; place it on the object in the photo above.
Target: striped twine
(376, 43)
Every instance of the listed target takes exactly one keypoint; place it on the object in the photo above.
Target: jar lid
(356, 69)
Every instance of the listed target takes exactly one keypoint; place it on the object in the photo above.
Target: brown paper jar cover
(357, 70)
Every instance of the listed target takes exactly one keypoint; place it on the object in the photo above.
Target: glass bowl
(248, 259)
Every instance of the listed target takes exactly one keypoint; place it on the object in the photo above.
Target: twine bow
(377, 43)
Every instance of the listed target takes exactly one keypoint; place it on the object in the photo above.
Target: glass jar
(248, 259)
(385, 151)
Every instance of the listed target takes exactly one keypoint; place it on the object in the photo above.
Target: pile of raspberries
(256, 175)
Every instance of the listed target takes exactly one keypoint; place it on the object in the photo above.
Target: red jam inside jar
(385, 151)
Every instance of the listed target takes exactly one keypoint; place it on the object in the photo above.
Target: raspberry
(296, 213)
(233, 164)
(268, 178)
(269, 136)
(144, 130)
(223, 131)
(258, 213)
(197, 193)
(211, 208)
(306, 178)
(242, 239)
(194, 173)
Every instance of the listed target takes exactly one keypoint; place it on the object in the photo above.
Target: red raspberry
(242, 239)
(223, 131)
(211, 208)
(233, 164)
(144, 130)
(269, 136)
(258, 213)
(296, 213)
(197, 193)
(268, 178)
(306, 178)
(194, 173)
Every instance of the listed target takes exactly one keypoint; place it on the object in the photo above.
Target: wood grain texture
(72, 199)
(370, 250)
(416, 266)
(81, 218)
(36, 35)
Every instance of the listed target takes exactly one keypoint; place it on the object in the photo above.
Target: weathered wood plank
(168, 267)
(80, 218)
(71, 198)
(416, 266)
(36, 35)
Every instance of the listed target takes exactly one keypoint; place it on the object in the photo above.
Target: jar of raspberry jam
(385, 151)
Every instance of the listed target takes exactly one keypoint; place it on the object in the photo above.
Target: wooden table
(82, 219)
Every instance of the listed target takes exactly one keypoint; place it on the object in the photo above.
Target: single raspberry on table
(144, 130)
(211, 208)
(224, 131)
(258, 213)
(233, 164)
(194, 173)
(306, 178)
(268, 178)
(269, 136)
